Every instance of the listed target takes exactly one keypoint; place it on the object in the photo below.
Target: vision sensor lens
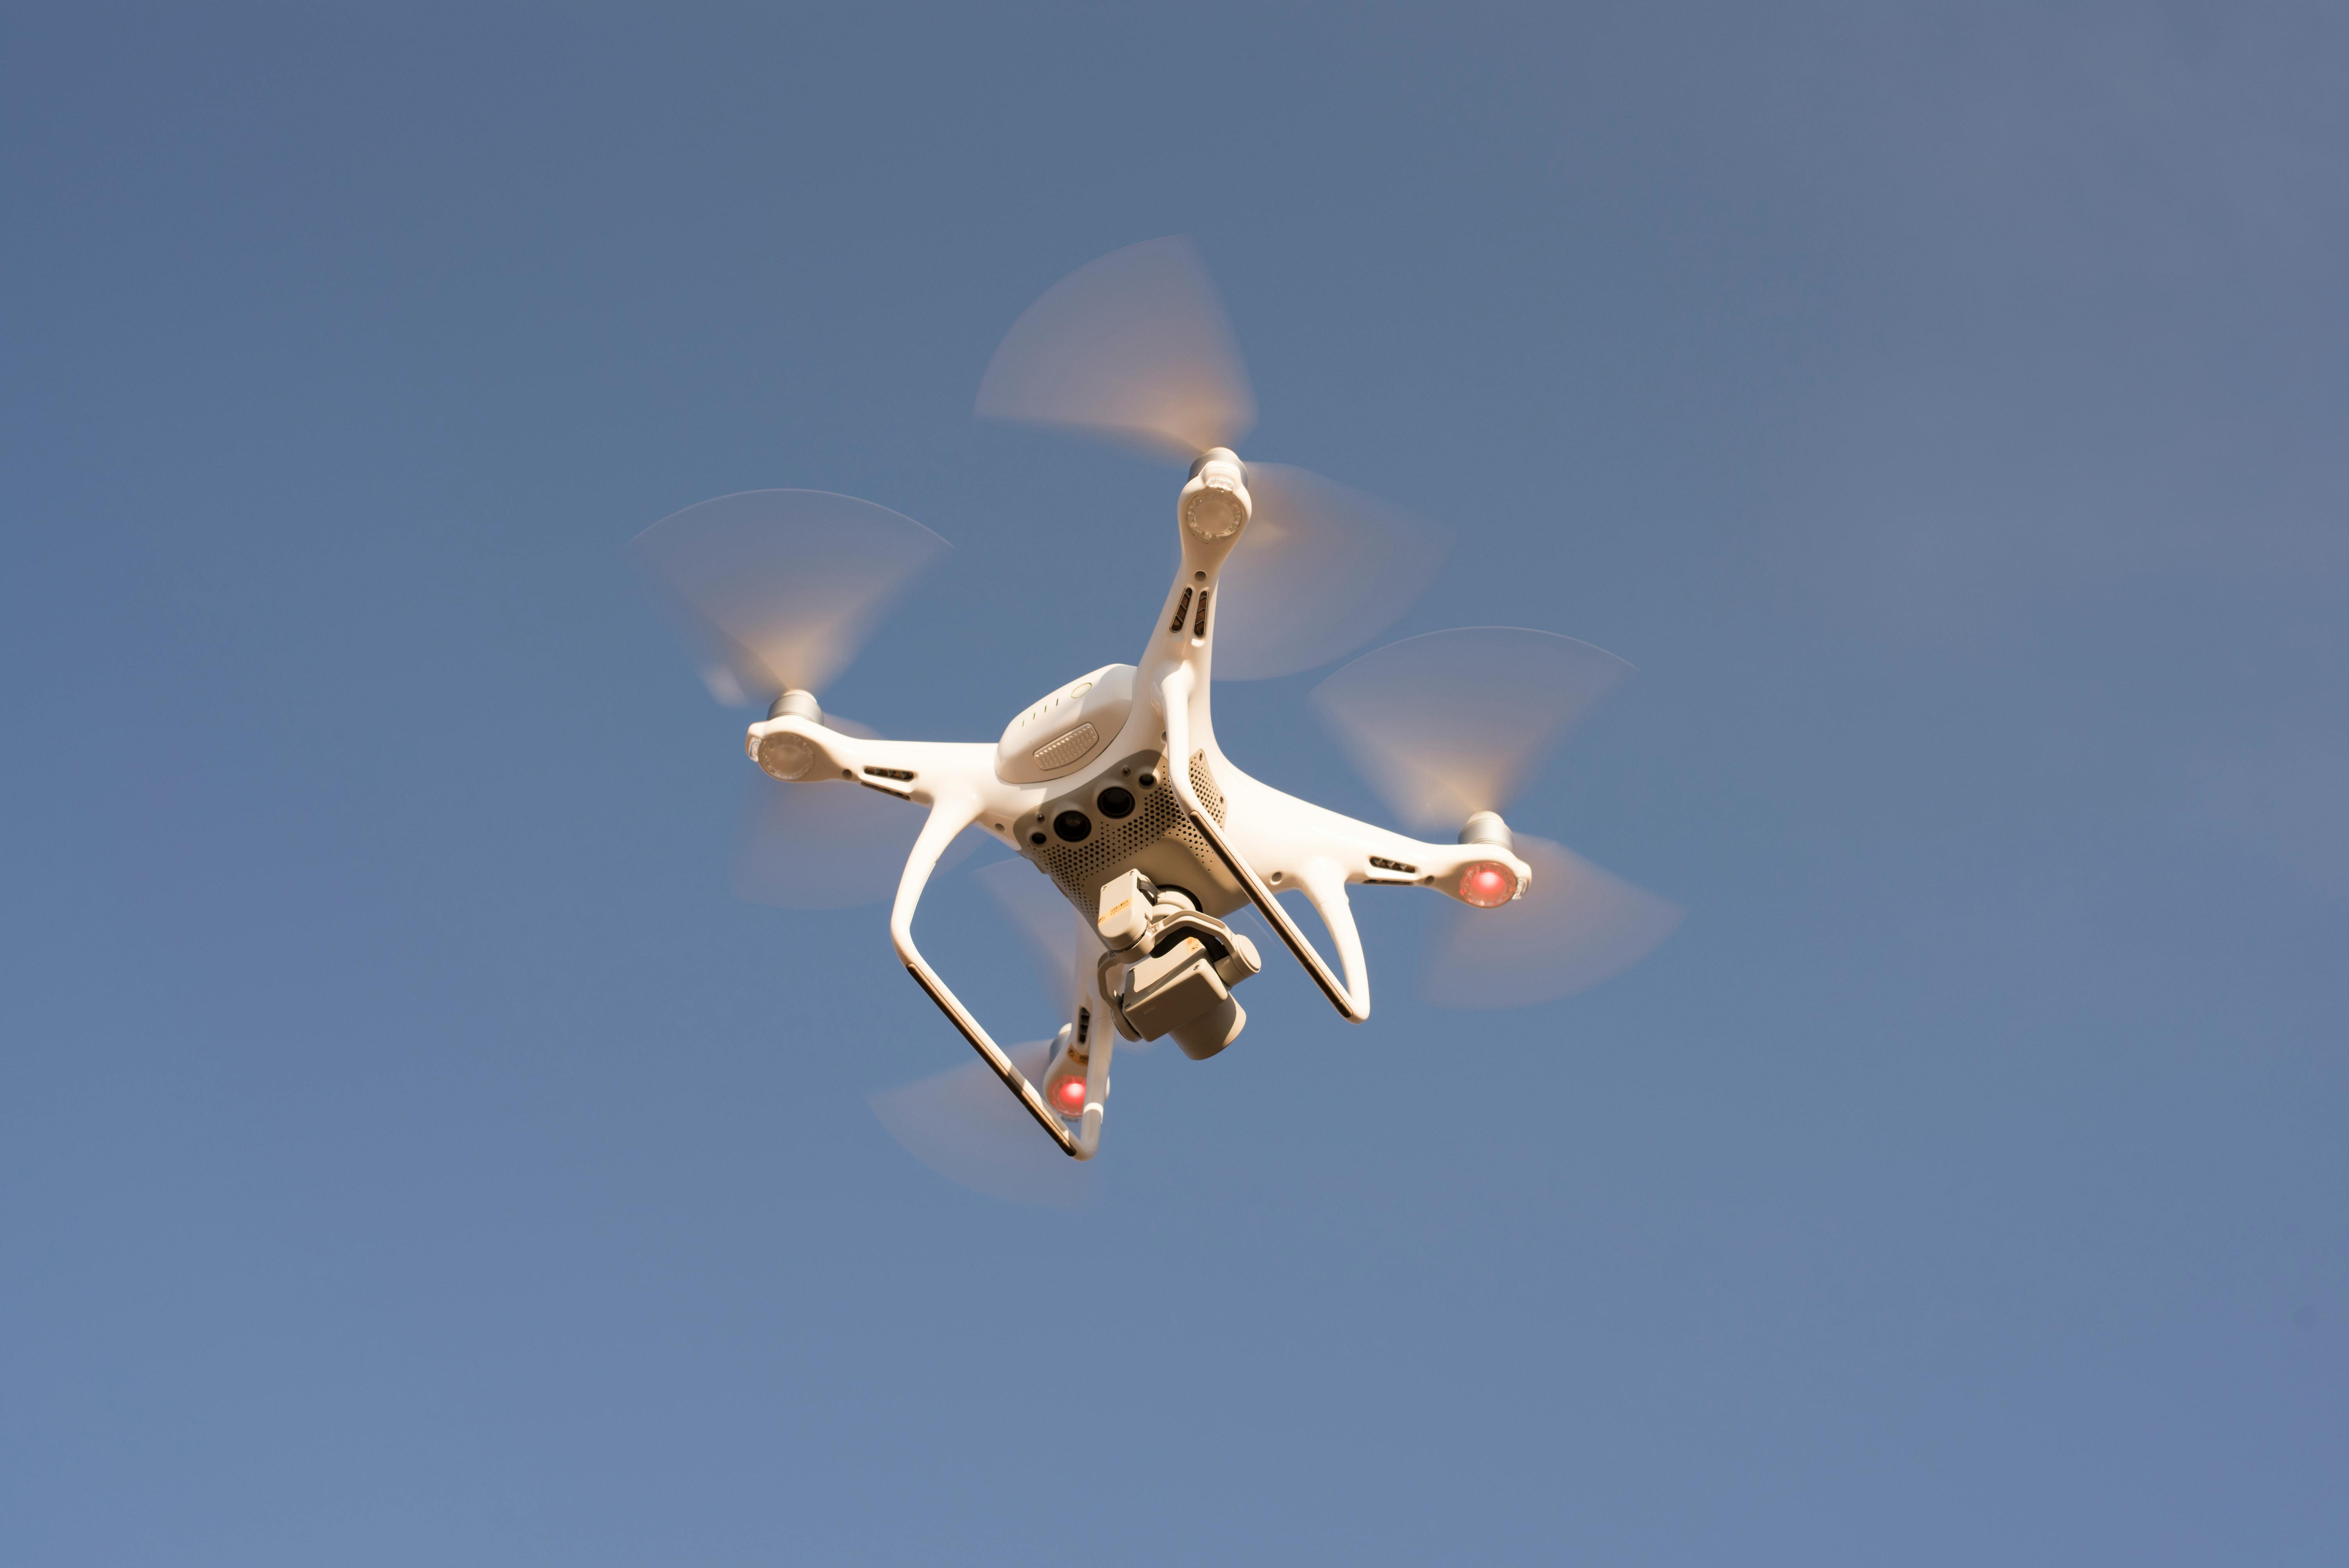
(1116, 801)
(1072, 826)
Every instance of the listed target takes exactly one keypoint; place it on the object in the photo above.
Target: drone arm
(1174, 694)
(951, 815)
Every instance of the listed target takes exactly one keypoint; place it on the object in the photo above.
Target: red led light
(1072, 1093)
(1487, 884)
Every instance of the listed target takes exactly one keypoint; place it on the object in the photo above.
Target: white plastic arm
(1174, 694)
(954, 811)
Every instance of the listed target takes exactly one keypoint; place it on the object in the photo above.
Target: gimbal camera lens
(1116, 801)
(1072, 826)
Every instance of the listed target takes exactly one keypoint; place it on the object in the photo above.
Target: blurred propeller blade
(1063, 947)
(1576, 926)
(967, 1126)
(1133, 347)
(829, 843)
(1320, 571)
(780, 587)
(1449, 723)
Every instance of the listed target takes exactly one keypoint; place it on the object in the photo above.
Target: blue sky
(411, 1151)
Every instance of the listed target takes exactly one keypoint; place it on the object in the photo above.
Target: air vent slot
(1070, 748)
(1181, 608)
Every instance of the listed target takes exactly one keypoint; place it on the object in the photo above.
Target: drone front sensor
(1114, 786)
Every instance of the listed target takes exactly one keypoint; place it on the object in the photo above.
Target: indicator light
(1487, 884)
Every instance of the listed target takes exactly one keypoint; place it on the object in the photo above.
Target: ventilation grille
(1203, 785)
(1068, 747)
(1079, 869)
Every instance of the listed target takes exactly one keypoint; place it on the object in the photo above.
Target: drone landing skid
(945, 821)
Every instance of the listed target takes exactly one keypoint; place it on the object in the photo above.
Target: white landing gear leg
(949, 817)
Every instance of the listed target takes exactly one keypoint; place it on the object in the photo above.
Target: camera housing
(1170, 969)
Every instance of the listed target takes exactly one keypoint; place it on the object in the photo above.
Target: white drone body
(1117, 777)
(1114, 786)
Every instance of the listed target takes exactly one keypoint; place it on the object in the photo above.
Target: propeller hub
(1486, 828)
(797, 704)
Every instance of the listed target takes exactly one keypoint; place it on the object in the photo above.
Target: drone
(1113, 786)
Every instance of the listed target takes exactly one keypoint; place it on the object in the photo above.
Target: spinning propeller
(1135, 349)
(1448, 726)
(778, 590)
(963, 1126)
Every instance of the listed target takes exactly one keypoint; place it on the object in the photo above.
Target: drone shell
(1067, 729)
